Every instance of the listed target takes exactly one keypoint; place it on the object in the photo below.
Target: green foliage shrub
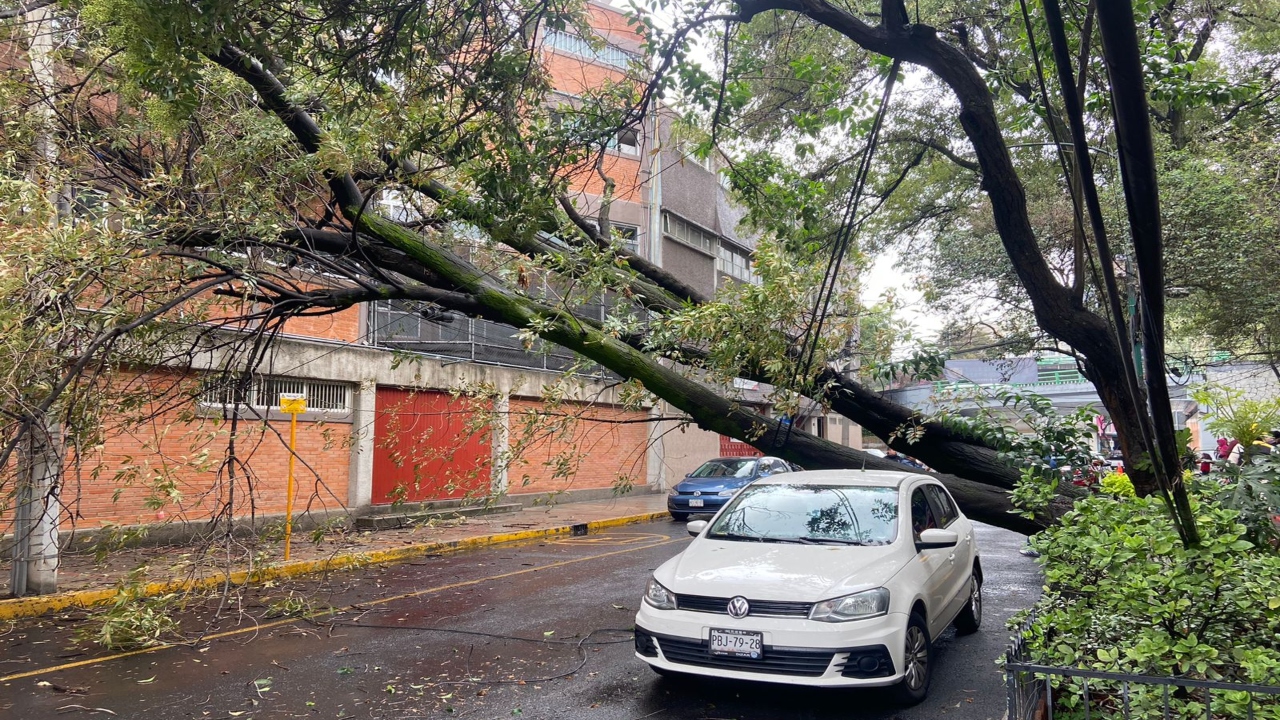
(1117, 484)
(1253, 490)
(1237, 415)
(1123, 594)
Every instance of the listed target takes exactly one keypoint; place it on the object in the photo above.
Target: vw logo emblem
(739, 607)
(697, 493)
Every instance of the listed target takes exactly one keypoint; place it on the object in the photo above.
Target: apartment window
(604, 54)
(90, 206)
(735, 262)
(627, 142)
(397, 208)
(629, 235)
(688, 233)
(263, 393)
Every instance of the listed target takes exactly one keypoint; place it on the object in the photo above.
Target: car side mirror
(696, 527)
(937, 538)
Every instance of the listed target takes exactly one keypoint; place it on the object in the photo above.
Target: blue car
(707, 489)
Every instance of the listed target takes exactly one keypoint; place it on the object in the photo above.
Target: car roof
(870, 478)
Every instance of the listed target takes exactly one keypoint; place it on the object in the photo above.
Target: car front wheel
(970, 617)
(917, 663)
(679, 516)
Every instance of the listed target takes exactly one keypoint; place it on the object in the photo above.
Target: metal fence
(1045, 692)
(401, 325)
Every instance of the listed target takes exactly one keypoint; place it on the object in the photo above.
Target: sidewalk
(85, 581)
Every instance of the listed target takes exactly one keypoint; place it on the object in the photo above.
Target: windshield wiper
(837, 541)
(735, 536)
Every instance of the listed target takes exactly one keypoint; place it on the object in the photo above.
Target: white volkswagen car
(834, 578)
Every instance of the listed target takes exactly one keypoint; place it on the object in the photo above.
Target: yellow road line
(41, 604)
(379, 601)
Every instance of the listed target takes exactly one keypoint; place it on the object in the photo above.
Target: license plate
(695, 502)
(737, 643)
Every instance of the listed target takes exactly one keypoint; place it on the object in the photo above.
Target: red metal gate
(426, 447)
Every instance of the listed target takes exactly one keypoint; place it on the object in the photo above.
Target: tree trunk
(704, 406)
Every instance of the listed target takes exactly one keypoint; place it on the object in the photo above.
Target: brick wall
(113, 482)
(343, 325)
(599, 447)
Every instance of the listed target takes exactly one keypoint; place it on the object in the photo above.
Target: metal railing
(940, 386)
(1045, 692)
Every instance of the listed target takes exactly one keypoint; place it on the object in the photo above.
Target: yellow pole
(288, 507)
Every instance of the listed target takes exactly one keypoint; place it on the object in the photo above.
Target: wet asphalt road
(540, 630)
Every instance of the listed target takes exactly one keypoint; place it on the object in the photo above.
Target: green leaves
(1122, 593)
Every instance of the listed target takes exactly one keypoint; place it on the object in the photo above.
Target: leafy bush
(1253, 490)
(1118, 484)
(1237, 415)
(1123, 594)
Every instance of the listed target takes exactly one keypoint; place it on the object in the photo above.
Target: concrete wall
(690, 265)
(684, 448)
(1256, 380)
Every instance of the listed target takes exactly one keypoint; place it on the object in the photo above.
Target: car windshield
(729, 467)
(844, 515)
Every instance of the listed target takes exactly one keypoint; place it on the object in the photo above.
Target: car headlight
(673, 491)
(858, 606)
(658, 596)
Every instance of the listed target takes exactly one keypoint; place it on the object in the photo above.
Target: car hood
(711, 485)
(779, 571)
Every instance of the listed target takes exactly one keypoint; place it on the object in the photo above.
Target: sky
(884, 276)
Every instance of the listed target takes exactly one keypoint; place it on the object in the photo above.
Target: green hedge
(1122, 594)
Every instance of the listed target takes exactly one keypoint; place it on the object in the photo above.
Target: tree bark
(982, 501)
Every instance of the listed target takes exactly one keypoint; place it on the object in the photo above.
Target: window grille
(331, 396)
(263, 393)
(576, 45)
(397, 320)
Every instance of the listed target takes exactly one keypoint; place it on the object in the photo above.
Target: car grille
(759, 608)
(776, 661)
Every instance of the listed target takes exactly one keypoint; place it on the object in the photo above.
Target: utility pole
(35, 537)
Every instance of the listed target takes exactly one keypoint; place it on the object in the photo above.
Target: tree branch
(7, 13)
(938, 147)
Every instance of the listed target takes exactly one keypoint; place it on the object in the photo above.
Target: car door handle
(951, 557)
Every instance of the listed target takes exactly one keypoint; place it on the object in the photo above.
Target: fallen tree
(251, 203)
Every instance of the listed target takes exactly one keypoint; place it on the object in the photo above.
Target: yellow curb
(24, 607)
